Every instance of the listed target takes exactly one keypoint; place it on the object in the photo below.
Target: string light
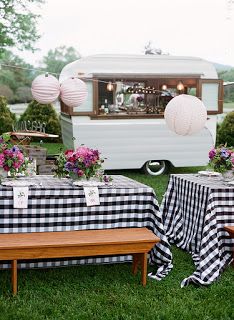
(110, 86)
(46, 72)
(24, 68)
(129, 90)
(180, 86)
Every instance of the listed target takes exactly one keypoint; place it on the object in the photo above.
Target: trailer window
(149, 97)
(132, 98)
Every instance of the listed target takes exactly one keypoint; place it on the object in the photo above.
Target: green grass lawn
(228, 107)
(52, 148)
(111, 292)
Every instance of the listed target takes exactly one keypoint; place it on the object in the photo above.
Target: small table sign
(20, 197)
(92, 196)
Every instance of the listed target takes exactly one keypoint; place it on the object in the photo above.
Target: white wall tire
(155, 167)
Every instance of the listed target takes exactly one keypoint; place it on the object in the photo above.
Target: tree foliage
(19, 79)
(226, 130)
(228, 76)
(6, 92)
(18, 24)
(15, 78)
(43, 113)
(56, 59)
(24, 94)
(7, 118)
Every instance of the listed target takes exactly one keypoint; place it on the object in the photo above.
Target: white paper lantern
(45, 89)
(185, 114)
(73, 92)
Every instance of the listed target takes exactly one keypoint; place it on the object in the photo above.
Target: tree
(6, 92)
(43, 113)
(226, 130)
(228, 76)
(18, 24)
(7, 118)
(23, 94)
(15, 78)
(56, 59)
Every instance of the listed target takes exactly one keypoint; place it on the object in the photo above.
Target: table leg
(143, 268)
(14, 276)
(135, 263)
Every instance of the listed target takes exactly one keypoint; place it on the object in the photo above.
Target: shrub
(43, 113)
(226, 130)
(7, 118)
(6, 92)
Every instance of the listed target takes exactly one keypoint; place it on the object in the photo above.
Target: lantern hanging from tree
(73, 92)
(185, 114)
(45, 88)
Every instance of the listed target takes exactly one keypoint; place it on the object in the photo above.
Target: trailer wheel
(155, 167)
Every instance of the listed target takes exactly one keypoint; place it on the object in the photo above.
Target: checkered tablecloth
(195, 210)
(57, 205)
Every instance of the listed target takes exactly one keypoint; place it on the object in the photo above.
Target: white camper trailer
(123, 114)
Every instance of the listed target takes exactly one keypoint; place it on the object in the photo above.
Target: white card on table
(20, 197)
(92, 196)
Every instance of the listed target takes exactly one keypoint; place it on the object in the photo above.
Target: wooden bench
(230, 230)
(40, 245)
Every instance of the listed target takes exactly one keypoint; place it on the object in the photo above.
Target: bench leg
(135, 263)
(14, 276)
(143, 268)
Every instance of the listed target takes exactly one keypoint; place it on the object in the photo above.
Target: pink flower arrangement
(11, 157)
(83, 162)
(221, 159)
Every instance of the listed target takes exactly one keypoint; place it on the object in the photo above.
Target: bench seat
(41, 245)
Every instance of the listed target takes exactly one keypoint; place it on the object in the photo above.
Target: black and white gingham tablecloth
(195, 210)
(56, 205)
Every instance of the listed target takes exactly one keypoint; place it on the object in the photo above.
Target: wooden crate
(37, 153)
(46, 168)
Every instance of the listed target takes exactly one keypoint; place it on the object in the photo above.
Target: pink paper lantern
(185, 114)
(45, 89)
(73, 92)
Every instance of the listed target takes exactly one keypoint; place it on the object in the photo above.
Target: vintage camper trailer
(123, 114)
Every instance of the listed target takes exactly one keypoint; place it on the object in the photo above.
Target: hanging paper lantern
(185, 114)
(45, 89)
(73, 92)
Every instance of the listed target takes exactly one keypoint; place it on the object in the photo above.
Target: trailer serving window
(130, 98)
(143, 98)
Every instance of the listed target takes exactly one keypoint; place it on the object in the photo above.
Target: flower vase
(3, 173)
(228, 175)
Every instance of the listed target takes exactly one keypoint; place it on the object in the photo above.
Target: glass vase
(3, 173)
(228, 175)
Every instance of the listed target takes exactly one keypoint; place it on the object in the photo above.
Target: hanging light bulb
(164, 87)
(110, 86)
(180, 86)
